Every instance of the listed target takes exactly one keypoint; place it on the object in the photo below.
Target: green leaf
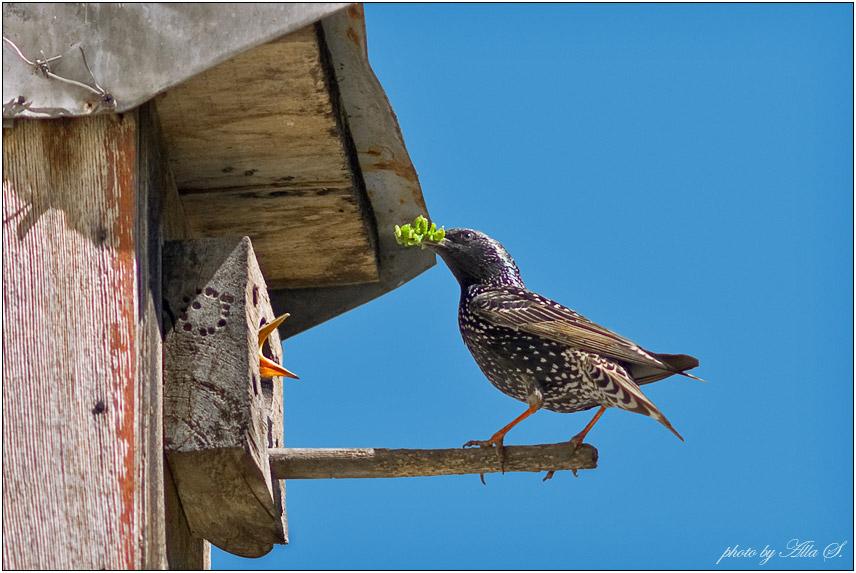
(413, 234)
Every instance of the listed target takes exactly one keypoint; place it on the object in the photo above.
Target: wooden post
(220, 416)
(81, 346)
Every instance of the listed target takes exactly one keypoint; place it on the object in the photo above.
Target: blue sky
(681, 174)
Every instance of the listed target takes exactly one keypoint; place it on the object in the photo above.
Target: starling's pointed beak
(436, 245)
(267, 367)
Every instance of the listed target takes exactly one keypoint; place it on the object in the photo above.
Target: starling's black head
(475, 258)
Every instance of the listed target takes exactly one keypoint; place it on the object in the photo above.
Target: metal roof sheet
(134, 51)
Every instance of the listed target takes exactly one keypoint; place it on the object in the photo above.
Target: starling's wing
(529, 312)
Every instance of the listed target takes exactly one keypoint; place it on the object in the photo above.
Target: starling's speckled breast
(517, 362)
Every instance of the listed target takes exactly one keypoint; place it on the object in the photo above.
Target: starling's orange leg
(578, 439)
(497, 439)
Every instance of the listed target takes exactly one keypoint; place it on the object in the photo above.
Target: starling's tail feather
(679, 363)
(662, 419)
(628, 396)
(648, 408)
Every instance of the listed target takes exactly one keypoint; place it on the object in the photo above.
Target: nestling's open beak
(267, 367)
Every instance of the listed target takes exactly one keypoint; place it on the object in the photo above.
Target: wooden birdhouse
(176, 177)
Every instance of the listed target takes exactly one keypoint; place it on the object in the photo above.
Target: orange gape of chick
(267, 367)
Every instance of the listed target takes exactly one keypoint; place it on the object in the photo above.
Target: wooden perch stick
(336, 463)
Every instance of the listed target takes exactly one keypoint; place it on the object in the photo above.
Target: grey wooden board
(219, 419)
(152, 187)
(390, 179)
(282, 175)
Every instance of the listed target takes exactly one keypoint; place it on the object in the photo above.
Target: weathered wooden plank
(151, 186)
(219, 415)
(386, 170)
(184, 551)
(327, 463)
(258, 148)
(290, 229)
(71, 415)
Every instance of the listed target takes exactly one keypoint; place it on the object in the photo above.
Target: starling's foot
(575, 443)
(495, 441)
(551, 473)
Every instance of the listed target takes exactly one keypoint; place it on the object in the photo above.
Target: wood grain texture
(219, 414)
(337, 463)
(152, 183)
(71, 496)
(184, 551)
(258, 148)
(169, 542)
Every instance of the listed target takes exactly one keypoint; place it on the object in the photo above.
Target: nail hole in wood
(100, 236)
(99, 408)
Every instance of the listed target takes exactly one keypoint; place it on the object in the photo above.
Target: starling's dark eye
(469, 235)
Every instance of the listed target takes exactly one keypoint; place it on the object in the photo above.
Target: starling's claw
(479, 443)
(551, 473)
(491, 443)
(575, 442)
(495, 441)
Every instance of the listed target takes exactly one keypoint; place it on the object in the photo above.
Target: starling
(540, 352)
